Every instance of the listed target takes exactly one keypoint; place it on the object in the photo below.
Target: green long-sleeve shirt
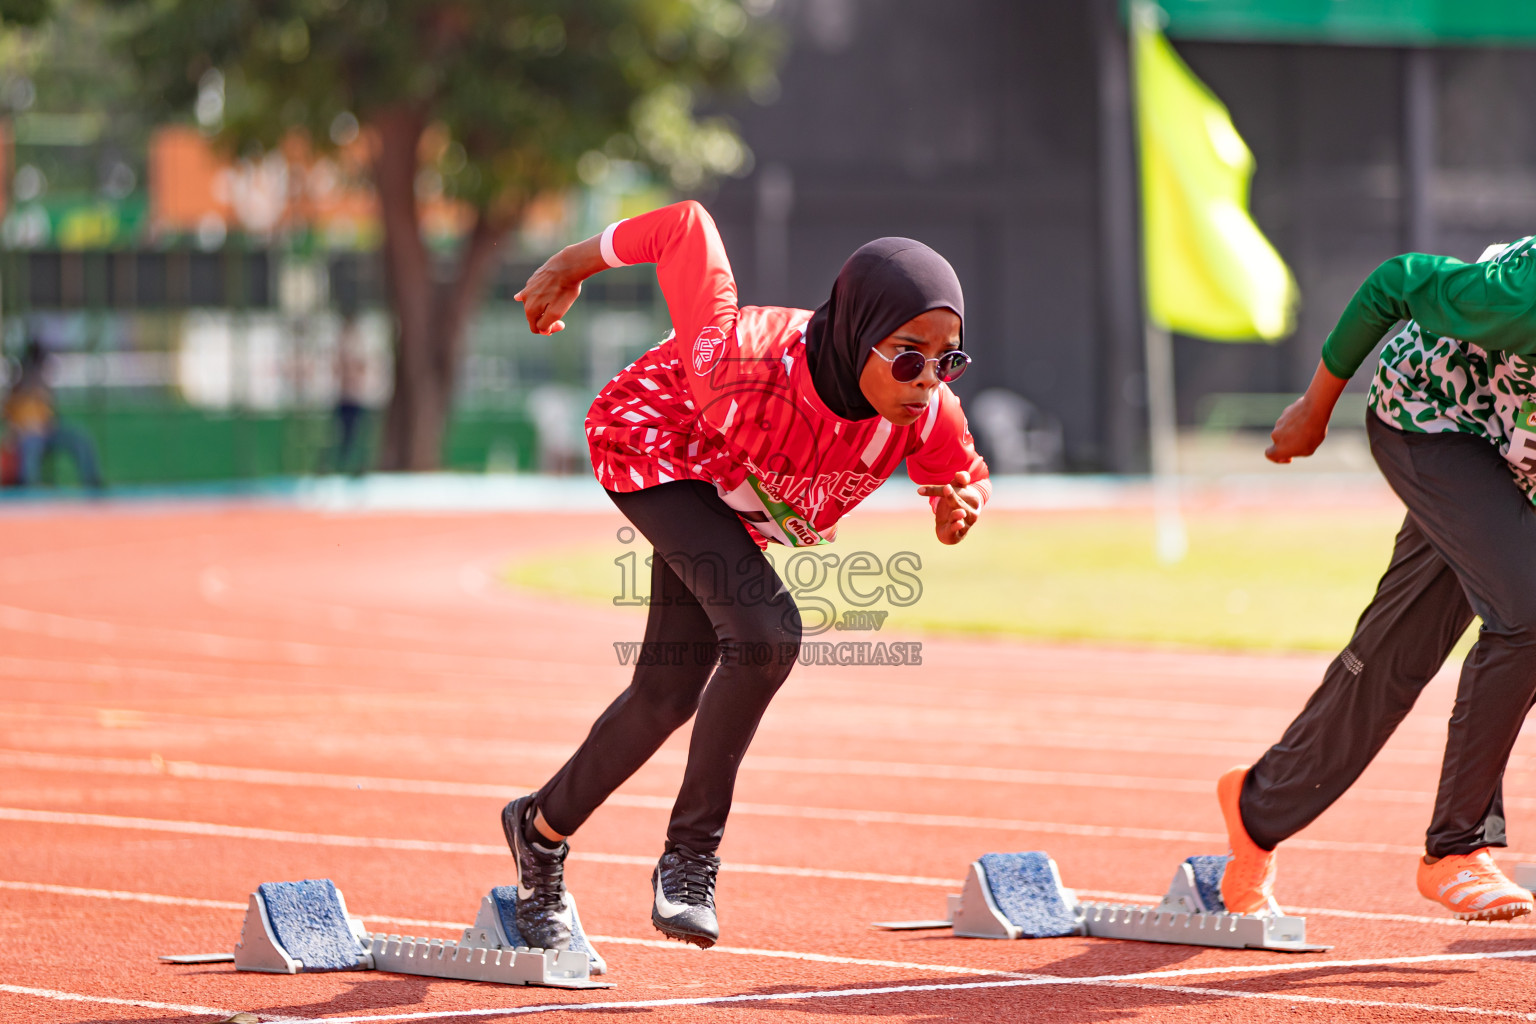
(1460, 364)
(1491, 305)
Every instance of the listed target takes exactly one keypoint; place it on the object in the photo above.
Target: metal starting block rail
(1021, 896)
(304, 926)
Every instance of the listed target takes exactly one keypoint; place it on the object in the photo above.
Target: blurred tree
(492, 101)
(24, 12)
(67, 62)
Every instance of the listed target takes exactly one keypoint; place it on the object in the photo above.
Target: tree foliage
(24, 13)
(69, 63)
(506, 99)
(522, 89)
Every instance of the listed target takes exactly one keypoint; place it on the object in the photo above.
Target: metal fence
(196, 366)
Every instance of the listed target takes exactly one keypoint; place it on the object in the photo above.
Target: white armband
(609, 256)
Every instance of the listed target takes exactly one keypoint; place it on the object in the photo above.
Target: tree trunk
(430, 316)
(410, 440)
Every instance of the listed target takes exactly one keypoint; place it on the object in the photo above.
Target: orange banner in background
(195, 189)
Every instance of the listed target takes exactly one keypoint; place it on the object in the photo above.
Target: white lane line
(1363, 915)
(76, 997)
(1104, 981)
(785, 811)
(996, 735)
(1118, 897)
(324, 780)
(418, 845)
(199, 828)
(232, 648)
(671, 946)
(755, 763)
(118, 894)
(775, 869)
(273, 776)
(633, 860)
(1115, 981)
(1357, 915)
(1125, 981)
(259, 776)
(789, 954)
(1043, 698)
(458, 926)
(1283, 997)
(758, 763)
(451, 926)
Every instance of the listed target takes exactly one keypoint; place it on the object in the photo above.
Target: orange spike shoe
(1471, 886)
(1249, 878)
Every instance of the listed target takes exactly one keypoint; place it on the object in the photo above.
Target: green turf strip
(1253, 579)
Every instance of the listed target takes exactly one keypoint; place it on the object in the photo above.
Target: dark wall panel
(968, 125)
(974, 124)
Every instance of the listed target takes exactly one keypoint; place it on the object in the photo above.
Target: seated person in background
(32, 424)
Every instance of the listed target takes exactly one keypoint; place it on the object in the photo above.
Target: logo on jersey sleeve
(706, 349)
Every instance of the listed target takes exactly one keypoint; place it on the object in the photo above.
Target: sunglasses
(907, 366)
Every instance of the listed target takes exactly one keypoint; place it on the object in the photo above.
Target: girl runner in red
(746, 426)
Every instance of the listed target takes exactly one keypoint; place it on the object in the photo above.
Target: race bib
(1522, 440)
(776, 520)
(794, 529)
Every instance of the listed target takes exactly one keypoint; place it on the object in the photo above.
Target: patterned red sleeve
(946, 447)
(700, 291)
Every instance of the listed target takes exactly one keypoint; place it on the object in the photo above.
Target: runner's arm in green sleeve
(1491, 305)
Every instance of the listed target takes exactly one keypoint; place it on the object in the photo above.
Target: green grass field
(1253, 579)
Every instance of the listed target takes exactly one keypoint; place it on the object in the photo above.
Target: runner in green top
(1490, 304)
(1453, 406)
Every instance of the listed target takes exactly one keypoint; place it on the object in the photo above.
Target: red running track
(196, 701)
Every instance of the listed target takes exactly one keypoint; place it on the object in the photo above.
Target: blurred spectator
(350, 413)
(32, 427)
(557, 413)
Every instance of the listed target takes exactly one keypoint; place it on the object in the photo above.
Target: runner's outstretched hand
(1298, 432)
(1304, 424)
(958, 507)
(553, 288)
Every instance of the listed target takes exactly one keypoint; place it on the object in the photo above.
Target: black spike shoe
(544, 914)
(684, 908)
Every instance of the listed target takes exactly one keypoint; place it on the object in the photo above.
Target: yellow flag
(1210, 272)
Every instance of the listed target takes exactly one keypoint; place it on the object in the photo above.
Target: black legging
(1467, 546)
(714, 599)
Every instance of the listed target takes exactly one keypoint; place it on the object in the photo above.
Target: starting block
(1021, 896)
(304, 926)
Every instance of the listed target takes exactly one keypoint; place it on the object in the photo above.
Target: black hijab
(882, 286)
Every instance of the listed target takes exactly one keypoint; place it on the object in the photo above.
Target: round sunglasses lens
(908, 366)
(952, 365)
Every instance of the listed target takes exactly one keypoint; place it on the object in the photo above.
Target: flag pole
(1162, 421)
(1172, 541)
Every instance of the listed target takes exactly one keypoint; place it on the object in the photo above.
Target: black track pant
(722, 635)
(1467, 546)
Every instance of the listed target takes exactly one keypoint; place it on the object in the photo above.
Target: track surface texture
(194, 701)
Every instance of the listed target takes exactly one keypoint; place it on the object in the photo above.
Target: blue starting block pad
(1021, 896)
(304, 926)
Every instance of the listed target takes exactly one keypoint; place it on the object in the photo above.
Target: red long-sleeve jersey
(728, 399)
